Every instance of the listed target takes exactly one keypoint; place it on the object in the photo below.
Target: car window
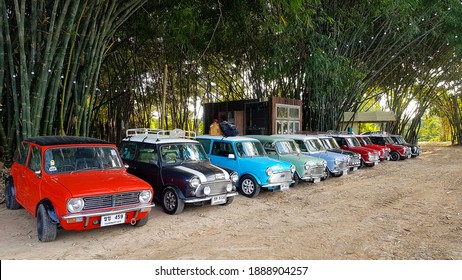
(69, 159)
(287, 147)
(269, 147)
(127, 150)
(182, 152)
(301, 145)
(21, 154)
(206, 144)
(249, 149)
(147, 153)
(35, 162)
(222, 149)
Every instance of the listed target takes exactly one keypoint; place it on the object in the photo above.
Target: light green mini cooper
(308, 168)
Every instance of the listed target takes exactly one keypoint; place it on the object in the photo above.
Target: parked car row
(78, 183)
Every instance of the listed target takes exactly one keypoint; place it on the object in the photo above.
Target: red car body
(54, 191)
(384, 152)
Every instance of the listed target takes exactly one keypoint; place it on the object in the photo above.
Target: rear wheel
(249, 187)
(10, 196)
(46, 228)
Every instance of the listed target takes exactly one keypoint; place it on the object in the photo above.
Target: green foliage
(431, 129)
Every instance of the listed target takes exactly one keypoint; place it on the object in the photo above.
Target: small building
(352, 121)
(266, 116)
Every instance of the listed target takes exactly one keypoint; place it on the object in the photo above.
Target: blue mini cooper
(247, 157)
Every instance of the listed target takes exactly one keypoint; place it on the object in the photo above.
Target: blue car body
(247, 157)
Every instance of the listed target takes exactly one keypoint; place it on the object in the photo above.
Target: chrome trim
(200, 199)
(108, 212)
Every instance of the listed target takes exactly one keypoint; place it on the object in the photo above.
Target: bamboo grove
(98, 67)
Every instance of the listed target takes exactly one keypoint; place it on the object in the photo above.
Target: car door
(33, 179)
(145, 164)
(223, 154)
(19, 171)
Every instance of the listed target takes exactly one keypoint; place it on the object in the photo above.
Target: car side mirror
(344, 147)
(38, 173)
(231, 156)
(126, 166)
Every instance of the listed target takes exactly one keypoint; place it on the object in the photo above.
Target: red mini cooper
(75, 183)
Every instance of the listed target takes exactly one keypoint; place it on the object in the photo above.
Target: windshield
(249, 149)
(330, 143)
(315, 145)
(287, 147)
(367, 140)
(69, 159)
(352, 142)
(388, 140)
(182, 152)
(399, 140)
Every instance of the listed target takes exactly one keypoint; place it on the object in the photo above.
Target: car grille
(217, 187)
(280, 177)
(354, 161)
(112, 200)
(317, 170)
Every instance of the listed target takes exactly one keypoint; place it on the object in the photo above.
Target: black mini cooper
(177, 168)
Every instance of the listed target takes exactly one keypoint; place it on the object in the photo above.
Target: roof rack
(377, 133)
(335, 132)
(158, 133)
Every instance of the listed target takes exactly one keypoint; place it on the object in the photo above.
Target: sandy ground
(410, 209)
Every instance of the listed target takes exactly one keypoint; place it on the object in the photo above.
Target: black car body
(177, 168)
(416, 150)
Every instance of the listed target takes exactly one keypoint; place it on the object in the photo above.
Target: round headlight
(292, 168)
(269, 171)
(234, 177)
(195, 182)
(145, 196)
(307, 166)
(324, 163)
(75, 205)
(207, 190)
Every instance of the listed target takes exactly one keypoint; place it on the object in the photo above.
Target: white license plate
(375, 163)
(219, 199)
(284, 187)
(110, 220)
(345, 171)
(355, 168)
(317, 180)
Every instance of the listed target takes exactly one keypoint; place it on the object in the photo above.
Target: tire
(327, 175)
(248, 186)
(171, 202)
(46, 229)
(142, 222)
(10, 196)
(394, 156)
(296, 180)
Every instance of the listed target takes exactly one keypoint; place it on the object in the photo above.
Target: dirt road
(410, 209)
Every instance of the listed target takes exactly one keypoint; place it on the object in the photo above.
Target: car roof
(229, 138)
(158, 136)
(64, 140)
(297, 136)
(144, 139)
(269, 138)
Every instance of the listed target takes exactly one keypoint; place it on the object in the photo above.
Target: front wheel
(171, 202)
(296, 180)
(10, 196)
(394, 156)
(46, 228)
(249, 187)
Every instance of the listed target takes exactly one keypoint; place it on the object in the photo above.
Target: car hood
(302, 159)
(373, 146)
(345, 152)
(204, 170)
(99, 182)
